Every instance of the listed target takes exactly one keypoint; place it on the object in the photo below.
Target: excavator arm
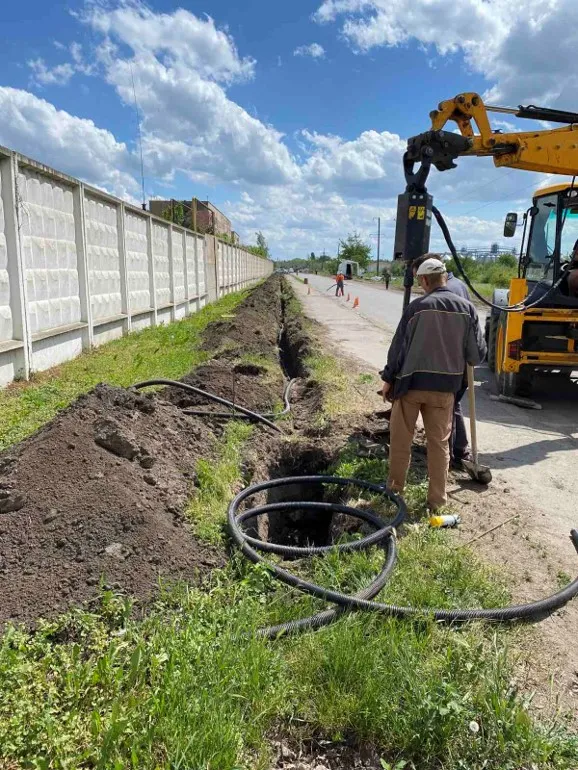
(551, 151)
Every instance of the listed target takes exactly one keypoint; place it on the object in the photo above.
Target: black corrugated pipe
(383, 536)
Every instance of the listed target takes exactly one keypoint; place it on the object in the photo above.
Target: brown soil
(110, 510)
(99, 494)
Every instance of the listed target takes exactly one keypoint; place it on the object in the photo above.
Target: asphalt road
(535, 452)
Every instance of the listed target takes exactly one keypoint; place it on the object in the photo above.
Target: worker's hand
(385, 391)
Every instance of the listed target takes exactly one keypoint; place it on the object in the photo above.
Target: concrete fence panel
(137, 263)
(79, 267)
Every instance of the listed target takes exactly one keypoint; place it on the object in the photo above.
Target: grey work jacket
(437, 336)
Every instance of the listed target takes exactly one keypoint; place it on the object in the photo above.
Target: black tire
(515, 384)
(492, 335)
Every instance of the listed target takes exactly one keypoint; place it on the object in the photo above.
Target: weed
(215, 481)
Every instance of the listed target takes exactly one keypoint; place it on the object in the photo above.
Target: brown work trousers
(437, 414)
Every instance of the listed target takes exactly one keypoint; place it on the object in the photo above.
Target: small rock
(60, 543)
(79, 559)
(116, 551)
(70, 445)
(96, 475)
(111, 436)
(150, 479)
(91, 581)
(10, 501)
(155, 560)
(147, 462)
(51, 516)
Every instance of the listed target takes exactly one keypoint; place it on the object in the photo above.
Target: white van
(349, 268)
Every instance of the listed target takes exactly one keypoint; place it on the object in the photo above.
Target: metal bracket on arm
(415, 180)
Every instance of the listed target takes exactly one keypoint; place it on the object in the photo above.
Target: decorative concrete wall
(79, 267)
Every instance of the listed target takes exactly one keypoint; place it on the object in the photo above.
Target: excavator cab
(545, 337)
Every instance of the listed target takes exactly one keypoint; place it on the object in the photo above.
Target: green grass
(485, 289)
(190, 686)
(331, 376)
(164, 351)
(215, 481)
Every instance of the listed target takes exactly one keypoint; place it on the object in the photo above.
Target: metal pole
(378, 241)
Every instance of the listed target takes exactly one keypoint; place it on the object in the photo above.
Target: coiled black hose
(253, 416)
(384, 536)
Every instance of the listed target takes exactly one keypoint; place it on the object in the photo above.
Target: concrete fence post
(82, 265)
(151, 264)
(172, 274)
(186, 274)
(124, 287)
(15, 266)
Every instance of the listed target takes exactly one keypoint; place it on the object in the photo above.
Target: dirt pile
(99, 493)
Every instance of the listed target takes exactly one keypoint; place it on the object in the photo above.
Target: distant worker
(437, 336)
(386, 277)
(340, 281)
(459, 445)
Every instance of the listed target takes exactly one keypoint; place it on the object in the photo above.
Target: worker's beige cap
(431, 267)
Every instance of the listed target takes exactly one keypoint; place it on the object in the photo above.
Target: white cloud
(297, 221)
(181, 66)
(43, 75)
(181, 37)
(315, 51)
(364, 167)
(514, 51)
(70, 144)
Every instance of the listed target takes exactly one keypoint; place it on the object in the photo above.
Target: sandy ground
(533, 457)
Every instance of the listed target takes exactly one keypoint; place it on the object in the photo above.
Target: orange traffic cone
(356, 302)
(348, 297)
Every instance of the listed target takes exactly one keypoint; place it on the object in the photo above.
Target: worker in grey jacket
(437, 336)
(459, 446)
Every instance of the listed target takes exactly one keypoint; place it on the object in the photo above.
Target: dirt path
(533, 458)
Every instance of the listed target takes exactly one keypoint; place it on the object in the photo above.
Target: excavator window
(569, 233)
(542, 244)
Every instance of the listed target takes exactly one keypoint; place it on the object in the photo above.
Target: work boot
(456, 462)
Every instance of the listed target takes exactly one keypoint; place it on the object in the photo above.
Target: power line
(142, 177)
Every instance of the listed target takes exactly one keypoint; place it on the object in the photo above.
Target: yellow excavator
(533, 325)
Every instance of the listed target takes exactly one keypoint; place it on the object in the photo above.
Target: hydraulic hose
(253, 416)
(229, 415)
(384, 536)
(520, 307)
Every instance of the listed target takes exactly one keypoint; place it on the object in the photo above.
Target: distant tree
(356, 250)
(507, 260)
(175, 213)
(495, 248)
(313, 257)
(262, 245)
(463, 249)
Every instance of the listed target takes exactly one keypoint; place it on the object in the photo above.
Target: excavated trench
(99, 495)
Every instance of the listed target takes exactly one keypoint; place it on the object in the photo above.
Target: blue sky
(291, 117)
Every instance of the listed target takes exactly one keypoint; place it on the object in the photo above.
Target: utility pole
(378, 241)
